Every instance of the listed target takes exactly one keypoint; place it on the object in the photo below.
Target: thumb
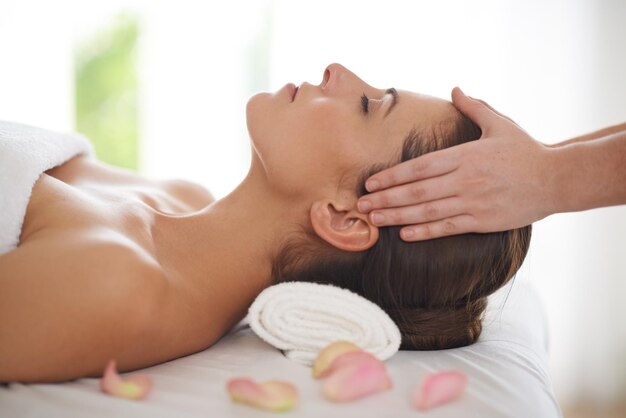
(474, 109)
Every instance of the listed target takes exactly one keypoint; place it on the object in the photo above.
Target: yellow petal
(328, 354)
(135, 386)
(273, 395)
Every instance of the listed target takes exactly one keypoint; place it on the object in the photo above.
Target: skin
(112, 265)
(506, 180)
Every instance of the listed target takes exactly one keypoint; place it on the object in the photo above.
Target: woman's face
(314, 137)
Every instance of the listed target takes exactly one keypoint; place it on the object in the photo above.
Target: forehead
(415, 110)
(423, 106)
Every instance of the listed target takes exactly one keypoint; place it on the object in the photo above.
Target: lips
(291, 90)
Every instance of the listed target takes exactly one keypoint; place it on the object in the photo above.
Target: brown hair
(435, 290)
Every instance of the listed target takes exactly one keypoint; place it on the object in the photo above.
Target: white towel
(25, 153)
(301, 318)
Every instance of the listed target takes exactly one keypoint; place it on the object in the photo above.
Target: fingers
(408, 194)
(478, 111)
(455, 225)
(428, 165)
(418, 214)
(493, 110)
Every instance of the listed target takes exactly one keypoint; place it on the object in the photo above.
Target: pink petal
(272, 395)
(351, 357)
(328, 354)
(361, 374)
(135, 386)
(438, 389)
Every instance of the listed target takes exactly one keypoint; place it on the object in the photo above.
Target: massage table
(507, 370)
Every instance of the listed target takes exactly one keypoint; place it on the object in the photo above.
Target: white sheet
(507, 370)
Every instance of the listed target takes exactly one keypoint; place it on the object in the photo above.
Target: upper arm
(64, 311)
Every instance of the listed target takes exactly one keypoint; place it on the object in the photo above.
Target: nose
(338, 79)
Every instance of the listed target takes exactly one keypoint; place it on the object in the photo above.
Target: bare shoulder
(188, 192)
(86, 169)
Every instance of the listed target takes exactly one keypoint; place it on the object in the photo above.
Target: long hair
(436, 290)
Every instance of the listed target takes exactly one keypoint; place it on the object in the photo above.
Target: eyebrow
(394, 101)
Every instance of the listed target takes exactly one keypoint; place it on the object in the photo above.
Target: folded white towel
(301, 318)
(25, 153)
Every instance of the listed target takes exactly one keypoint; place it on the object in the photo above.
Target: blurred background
(160, 88)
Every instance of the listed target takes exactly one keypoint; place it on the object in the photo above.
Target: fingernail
(407, 233)
(364, 205)
(378, 218)
(372, 185)
(461, 91)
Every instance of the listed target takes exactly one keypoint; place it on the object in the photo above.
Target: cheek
(325, 128)
(302, 147)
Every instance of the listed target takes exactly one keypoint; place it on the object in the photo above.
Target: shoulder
(188, 192)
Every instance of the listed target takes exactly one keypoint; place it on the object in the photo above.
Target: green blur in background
(107, 94)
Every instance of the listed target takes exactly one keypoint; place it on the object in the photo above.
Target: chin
(256, 112)
(253, 113)
(254, 104)
(257, 117)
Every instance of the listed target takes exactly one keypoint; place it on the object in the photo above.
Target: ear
(347, 229)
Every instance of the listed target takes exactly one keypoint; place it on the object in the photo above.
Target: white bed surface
(507, 370)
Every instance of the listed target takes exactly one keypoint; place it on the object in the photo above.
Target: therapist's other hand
(493, 184)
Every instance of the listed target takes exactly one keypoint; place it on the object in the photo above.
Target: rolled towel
(301, 318)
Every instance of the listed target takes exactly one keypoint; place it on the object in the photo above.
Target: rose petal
(350, 358)
(438, 389)
(328, 354)
(272, 395)
(361, 374)
(135, 386)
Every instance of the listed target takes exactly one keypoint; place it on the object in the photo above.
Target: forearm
(621, 128)
(589, 174)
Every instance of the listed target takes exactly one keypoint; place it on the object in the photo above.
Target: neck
(225, 250)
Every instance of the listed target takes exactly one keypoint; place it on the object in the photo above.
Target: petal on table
(135, 386)
(272, 395)
(438, 389)
(359, 375)
(328, 354)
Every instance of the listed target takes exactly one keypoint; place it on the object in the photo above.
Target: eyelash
(365, 101)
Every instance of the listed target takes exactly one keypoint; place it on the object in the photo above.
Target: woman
(111, 265)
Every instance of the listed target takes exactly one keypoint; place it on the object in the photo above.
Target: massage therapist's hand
(492, 184)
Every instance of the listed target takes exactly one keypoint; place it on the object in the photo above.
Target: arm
(65, 311)
(621, 128)
(590, 171)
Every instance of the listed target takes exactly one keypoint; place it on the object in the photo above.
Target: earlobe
(348, 230)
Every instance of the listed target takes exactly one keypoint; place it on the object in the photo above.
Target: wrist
(557, 176)
(567, 182)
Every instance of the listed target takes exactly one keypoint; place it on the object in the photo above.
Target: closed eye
(365, 101)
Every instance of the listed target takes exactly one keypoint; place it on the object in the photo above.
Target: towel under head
(301, 318)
